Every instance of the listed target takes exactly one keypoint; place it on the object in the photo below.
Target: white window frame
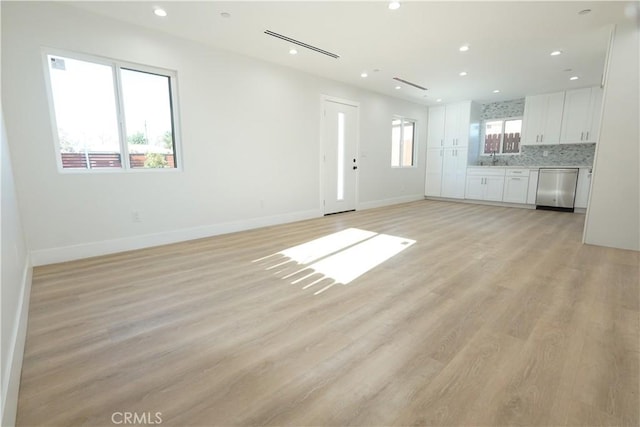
(414, 159)
(503, 120)
(116, 65)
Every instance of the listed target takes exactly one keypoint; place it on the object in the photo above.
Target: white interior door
(340, 134)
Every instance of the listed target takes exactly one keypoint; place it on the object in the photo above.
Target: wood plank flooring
(495, 316)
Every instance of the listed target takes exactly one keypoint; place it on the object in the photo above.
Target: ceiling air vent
(299, 43)
(409, 83)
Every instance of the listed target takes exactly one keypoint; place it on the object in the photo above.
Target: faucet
(494, 159)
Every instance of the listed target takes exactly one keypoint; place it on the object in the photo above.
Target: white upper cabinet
(542, 119)
(456, 125)
(581, 116)
(435, 132)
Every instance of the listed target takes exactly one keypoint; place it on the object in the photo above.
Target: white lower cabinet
(533, 187)
(485, 184)
(516, 186)
(583, 187)
(446, 170)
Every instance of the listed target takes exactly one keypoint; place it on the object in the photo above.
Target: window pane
(407, 144)
(395, 142)
(492, 134)
(85, 112)
(511, 140)
(147, 111)
(340, 178)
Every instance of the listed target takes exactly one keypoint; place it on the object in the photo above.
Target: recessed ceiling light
(464, 48)
(439, 100)
(574, 78)
(398, 87)
(293, 51)
(394, 5)
(160, 12)
(363, 75)
(584, 11)
(556, 53)
(496, 91)
(225, 15)
(463, 73)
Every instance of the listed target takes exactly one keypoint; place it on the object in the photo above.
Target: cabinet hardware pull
(541, 137)
(581, 136)
(537, 136)
(587, 138)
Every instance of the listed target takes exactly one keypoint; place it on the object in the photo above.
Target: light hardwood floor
(495, 316)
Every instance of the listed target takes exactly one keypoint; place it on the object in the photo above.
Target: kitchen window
(502, 136)
(110, 115)
(403, 132)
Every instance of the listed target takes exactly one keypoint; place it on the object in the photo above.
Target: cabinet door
(461, 138)
(553, 118)
(583, 187)
(576, 116)
(460, 156)
(595, 114)
(533, 187)
(451, 124)
(475, 185)
(515, 189)
(433, 178)
(532, 121)
(449, 172)
(435, 132)
(493, 188)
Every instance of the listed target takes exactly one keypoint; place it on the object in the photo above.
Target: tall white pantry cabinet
(453, 130)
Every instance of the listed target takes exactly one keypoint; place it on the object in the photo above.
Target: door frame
(323, 100)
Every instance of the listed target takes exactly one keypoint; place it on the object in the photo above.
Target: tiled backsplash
(501, 110)
(532, 155)
(557, 155)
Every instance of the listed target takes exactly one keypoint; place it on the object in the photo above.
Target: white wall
(15, 286)
(250, 134)
(613, 216)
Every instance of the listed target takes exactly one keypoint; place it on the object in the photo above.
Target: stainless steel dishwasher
(557, 189)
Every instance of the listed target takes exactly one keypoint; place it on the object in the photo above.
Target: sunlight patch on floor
(342, 257)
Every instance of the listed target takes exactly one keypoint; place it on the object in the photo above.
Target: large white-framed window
(403, 135)
(502, 136)
(110, 115)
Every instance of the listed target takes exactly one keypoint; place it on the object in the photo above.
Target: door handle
(355, 167)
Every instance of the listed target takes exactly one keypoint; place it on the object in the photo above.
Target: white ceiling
(510, 42)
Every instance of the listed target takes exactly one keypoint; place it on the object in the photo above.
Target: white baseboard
(105, 247)
(388, 202)
(13, 369)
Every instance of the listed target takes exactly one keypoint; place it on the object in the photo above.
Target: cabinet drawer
(518, 172)
(485, 171)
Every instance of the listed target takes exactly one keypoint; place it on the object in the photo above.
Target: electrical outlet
(135, 216)
(545, 153)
